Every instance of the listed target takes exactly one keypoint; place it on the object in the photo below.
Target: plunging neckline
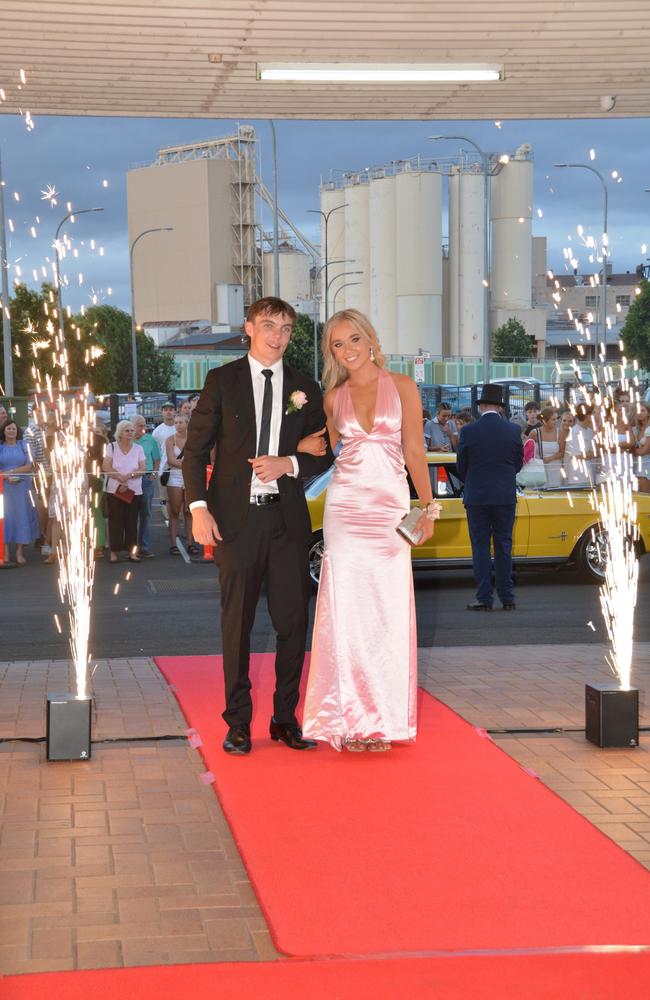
(374, 416)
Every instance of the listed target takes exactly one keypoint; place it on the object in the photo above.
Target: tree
(300, 352)
(98, 347)
(511, 341)
(33, 343)
(636, 330)
(110, 330)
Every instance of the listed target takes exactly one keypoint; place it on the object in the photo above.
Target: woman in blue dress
(20, 517)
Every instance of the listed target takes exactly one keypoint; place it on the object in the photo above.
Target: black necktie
(267, 406)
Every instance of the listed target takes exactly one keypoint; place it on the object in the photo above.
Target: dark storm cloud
(76, 155)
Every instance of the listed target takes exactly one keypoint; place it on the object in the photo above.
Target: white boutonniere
(296, 402)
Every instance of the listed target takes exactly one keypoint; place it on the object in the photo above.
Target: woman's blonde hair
(121, 427)
(334, 373)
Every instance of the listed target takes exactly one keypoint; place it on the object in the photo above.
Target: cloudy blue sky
(77, 155)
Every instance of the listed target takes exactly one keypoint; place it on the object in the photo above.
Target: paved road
(173, 608)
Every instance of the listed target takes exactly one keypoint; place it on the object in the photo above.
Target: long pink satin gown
(363, 675)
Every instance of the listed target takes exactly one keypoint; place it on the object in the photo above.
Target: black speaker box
(611, 715)
(68, 727)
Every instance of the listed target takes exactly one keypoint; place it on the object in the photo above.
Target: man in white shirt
(254, 412)
(165, 430)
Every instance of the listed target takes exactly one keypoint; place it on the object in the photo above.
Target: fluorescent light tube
(375, 73)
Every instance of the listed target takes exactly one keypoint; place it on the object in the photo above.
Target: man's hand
(268, 468)
(204, 527)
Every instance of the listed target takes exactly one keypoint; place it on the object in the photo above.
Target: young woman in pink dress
(362, 684)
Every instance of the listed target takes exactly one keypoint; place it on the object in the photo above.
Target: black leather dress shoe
(291, 735)
(238, 740)
(510, 607)
(477, 606)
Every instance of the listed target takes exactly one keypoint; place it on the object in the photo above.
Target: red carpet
(444, 845)
(560, 977)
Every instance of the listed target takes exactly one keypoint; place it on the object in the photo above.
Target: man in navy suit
(489, 456)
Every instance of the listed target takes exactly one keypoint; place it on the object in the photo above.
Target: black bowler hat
(492, 394)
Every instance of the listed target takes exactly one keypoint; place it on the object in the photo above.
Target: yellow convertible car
(551, 526)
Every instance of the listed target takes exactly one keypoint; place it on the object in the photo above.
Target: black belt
(263, 499)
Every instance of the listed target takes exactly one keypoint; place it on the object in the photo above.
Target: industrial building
(404, 243)
(422, 293)
(217, 260)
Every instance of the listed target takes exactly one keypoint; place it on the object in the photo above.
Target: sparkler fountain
(69, 714)
(612, 710)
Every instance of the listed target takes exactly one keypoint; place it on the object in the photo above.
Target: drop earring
(372, 354)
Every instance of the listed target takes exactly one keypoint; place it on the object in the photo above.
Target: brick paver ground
(127, 859)
(122, 860)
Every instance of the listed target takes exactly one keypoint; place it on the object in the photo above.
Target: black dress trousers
(262, 553)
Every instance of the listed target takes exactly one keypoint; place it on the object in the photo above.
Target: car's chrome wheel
(316, 550)
(592, 556)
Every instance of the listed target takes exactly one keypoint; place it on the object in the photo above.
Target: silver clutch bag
(408, 526)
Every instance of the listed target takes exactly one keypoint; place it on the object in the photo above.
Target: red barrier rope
(2, 521)
(208, 550)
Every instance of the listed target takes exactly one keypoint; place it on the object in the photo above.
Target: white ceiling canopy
(201, 58)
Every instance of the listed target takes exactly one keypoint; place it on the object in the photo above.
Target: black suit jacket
(225, 416)
(488, 457)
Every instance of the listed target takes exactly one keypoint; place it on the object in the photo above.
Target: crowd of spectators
(124, 480)
(128, 473)
(570, 446)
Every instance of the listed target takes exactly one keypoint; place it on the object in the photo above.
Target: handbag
(164, 476)
(124, 493)
(533, 474)
(407, 527)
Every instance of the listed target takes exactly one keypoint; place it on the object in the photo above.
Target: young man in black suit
(255, 411)
(488, 458)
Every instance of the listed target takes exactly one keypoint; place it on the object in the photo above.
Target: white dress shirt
(259, 381)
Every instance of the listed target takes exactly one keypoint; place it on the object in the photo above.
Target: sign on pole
(418, 369)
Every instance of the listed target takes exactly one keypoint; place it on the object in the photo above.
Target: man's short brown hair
(270, 306)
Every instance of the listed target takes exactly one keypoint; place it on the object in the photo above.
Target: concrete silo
(511, 212)
(383, 285)
(512, 248)
(331, 197)
(294, 273)
(466, 303)
(357, 250)
(418, 220)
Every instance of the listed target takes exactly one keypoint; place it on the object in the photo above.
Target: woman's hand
(425, 527)
(313, 444)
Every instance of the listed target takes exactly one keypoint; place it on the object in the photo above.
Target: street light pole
(315, 318)
(276, 238)
(57, 259)
(6, 321)
(603, 318)
(134, 351)
(486, 246)
(346, 285)
(326, 217)
(342, 274)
